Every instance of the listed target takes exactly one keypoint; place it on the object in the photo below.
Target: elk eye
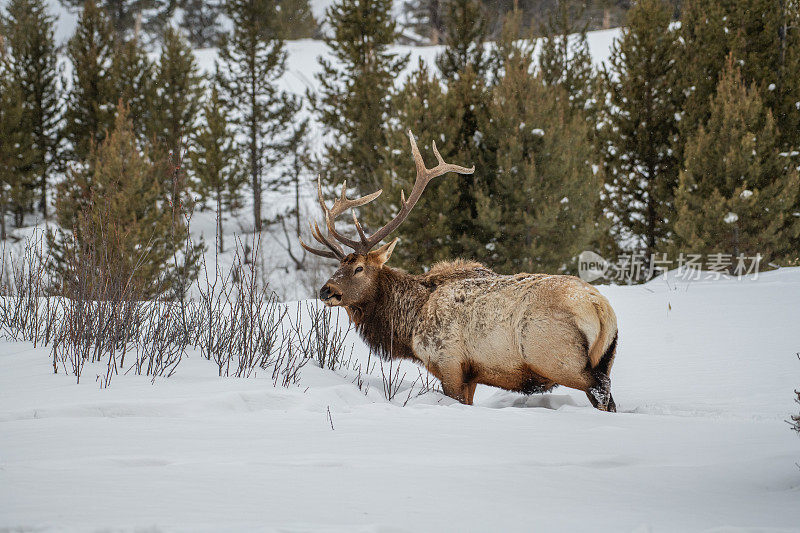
(359, 269)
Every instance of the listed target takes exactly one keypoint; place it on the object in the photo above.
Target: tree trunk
(41, 141)
(256, 181)
(220, 244)
(254, 170)
(651, 216)
(297, 195)
(3, 220)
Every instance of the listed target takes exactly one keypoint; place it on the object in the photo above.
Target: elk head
(355, 280)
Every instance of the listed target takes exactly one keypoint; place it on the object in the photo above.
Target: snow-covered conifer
(252, 59)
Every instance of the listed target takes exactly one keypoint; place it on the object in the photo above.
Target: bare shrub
(240, 318)
(98, 314)
(423, 384)
(393, 382)
(101, 308)
(161, 342)
(362, 371)
(290, 359)
(325, 342)
(795, 419)
(391, 378)
(22, 282)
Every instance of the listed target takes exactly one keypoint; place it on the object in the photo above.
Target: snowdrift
(703, 380)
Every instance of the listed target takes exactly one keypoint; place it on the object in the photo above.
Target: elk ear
(382, 254)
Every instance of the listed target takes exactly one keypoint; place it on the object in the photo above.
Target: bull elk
(465, 323)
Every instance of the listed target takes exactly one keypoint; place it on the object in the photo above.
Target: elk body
(465, 323)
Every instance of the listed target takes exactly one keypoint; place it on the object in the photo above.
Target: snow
(703, 380)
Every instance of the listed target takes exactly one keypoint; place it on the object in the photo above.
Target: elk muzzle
(330, 295)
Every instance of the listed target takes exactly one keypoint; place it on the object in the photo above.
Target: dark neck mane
(387, 320)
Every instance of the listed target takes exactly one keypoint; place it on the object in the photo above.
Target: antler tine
(323, 253)
(361, 235)
(424, 176)
(444, 168)
(418, 161)
(340, 205)
(343, 203)
(336, 251)
(322, 239)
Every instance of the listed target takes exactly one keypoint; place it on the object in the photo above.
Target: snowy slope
(703, 379)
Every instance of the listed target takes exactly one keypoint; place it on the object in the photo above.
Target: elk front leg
(453, 384)
(469, 391)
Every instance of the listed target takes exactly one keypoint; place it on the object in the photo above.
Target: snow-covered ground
(703, 381)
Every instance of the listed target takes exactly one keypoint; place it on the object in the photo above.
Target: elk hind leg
(469, 376)
(599, 393)
(469, 391)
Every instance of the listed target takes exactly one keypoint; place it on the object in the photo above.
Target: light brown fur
(469, 325)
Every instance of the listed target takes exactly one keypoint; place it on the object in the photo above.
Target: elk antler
(365, 244)
(340, 205)
(424, 176)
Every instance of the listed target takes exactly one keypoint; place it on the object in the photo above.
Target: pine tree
(736, 191)
(424, 19)
(201, 22)
(427, 235)
(29, 31)
(218, 174)
(17, 149)
(170, 120)
(93, 95)
(132, 77)
(252, 59)
(564, 59)
(539, 215)
(468, 70)
(176, 94)
(640, 128)
(701, 52)
(466, 30)
(565, 62)
(354, 101)
(786, 107)
(129, 16)
(767, 47)
(116, 205)
(296, 20)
